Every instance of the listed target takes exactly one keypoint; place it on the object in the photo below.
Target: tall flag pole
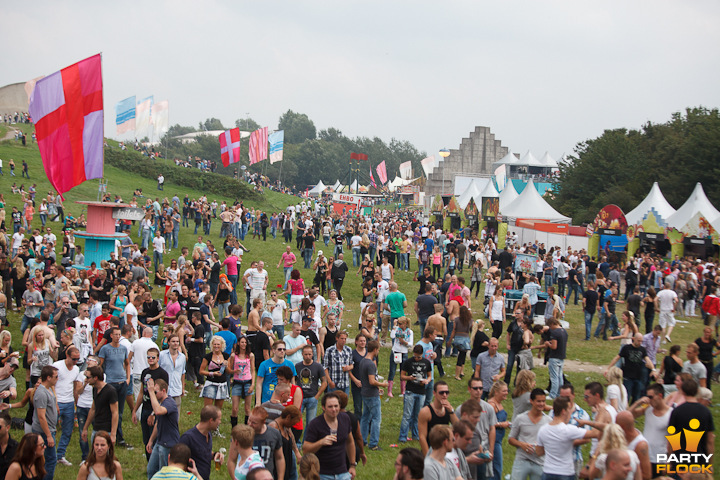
(67, 109)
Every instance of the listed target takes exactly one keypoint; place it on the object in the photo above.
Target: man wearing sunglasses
(68, 382)
(439, 412)
(266, 376)
(8, 385)
(154, 371)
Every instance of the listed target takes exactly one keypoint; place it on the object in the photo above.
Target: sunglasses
(151, 357)
(477, 388)
(444, 392)
(280, 349)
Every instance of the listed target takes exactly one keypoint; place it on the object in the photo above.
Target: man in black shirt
(694, 417)
(592, 267)
(103, 286)
(590, 304)
(8, 446)
(416, 372)
(635, 360)
(310, 337)
(425, 305)
(573, 284)
(184, 297)
(556, 346)
(505, 259)
(192, 305)
(150, 314)
(104, 411)
(424, 279)
(155, 372)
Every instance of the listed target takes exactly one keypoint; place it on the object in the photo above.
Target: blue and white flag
(125, 115)
(143, 117)
(276, 145)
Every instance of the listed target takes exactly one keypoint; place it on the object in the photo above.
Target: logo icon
(685, 459)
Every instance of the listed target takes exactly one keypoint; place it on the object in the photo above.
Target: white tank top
(654, 432)
(497, 308)
(385, 272)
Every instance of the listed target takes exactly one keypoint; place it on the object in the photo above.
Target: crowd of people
(143, 332)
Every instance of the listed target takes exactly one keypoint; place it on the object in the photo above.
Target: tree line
(620, 166)
(308, 156)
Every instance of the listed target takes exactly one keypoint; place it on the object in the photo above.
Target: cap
(14, 361)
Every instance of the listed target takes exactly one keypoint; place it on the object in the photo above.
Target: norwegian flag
(230, 146)
(258, 145)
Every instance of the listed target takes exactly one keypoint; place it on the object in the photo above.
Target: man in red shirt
(102, 323)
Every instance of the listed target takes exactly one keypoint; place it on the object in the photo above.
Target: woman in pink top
(296, 289)
(231, 268)
(172, 309)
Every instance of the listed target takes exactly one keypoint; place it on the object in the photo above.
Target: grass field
(380, 464)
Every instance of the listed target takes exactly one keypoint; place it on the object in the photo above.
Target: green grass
(380, 464)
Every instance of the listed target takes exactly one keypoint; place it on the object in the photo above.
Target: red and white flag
(258, 145)
(230, 146)
(372, 179)
(382, 172)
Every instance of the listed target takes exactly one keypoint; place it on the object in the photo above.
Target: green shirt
(395, 301)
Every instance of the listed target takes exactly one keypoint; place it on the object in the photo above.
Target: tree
(298, 127)
(177, 130)
(211, 124)
(247, 124)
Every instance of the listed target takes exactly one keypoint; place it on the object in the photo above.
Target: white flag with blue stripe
(276, 145)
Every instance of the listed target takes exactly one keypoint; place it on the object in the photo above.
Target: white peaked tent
(509, 159)
(472, 191)
(654, 202)
(488, 192)
(337, 187)
(507, 196)
(548, 161)
(530, 160)
(317, 190)
(531, 205)
(698, 203)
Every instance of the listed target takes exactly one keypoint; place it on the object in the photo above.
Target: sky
(543, 75)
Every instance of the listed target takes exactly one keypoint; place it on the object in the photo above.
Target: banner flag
(428, 165)
(142, 117)
(372, 179)
(276, 146)
(160, 117)
(382, 172)
(258, 145)
(125, 115)
(406, 170)
(67, 109)
(500, 177)
(358, 156)
(230, 146)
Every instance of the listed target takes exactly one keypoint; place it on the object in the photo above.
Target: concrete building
(13, 98)
(474, 157)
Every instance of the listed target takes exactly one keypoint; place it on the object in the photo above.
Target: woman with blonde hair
(613, 438)
(119, 301)
(18, 274)
(498, 394)
(40, 354)
(629, 330)
(3, 307)
(524, 383)
(616, 394)
(309, 467)
(214, 368)
(184, 330)
(6, 349)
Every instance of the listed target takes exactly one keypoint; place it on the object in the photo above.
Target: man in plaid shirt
(337, 363)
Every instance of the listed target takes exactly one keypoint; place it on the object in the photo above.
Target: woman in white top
(613, 438)
(616, 393)
(172, 275)
(497, 312)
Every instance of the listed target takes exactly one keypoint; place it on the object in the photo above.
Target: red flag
(382, 172)
(230, 146)
(358, 156)
(67, 109)
(372, 179)
(258, 145)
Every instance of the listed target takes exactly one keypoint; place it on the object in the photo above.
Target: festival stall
(608, 233)
(693, 228)
(437, 211)
(454, 217)
(647, 224)
(317, 190)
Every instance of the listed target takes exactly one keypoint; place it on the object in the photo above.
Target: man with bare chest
(438, 322)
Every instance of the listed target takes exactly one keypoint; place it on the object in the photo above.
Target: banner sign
(526, 263)
(651, 237)
(616, 232)
(128, 213)
(490, 208)
(689, 241)
(345, 198)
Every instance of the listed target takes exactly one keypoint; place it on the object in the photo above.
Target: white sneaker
(64, 461)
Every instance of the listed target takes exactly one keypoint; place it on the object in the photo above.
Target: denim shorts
(463, 343)
(216, 391)
(241, 388)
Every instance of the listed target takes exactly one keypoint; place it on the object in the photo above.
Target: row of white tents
(529, 204)
(527, 160)
(318, 189)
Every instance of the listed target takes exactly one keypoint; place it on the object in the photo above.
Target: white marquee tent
(317, 190)
(698, 203)
(507, 196)
(472, 191)
(654, 202)
(529, 160)
(548, 161)
(488, 192)
(531, 205)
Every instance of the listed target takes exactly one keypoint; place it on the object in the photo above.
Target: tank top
(242, 369)
(496, 314)
(94, 476)
(3, 310)
(43, 359)
(649, 310)
(385, 271)
(436, 419)
(296, 287)
(462, 330)
(26, 477)
(329, 340)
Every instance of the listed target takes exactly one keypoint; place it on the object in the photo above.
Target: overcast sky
(543, 75)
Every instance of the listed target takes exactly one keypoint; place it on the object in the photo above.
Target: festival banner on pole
(276, 146)
(125, 115)
(428, 165)
(67, 109)
(160, 116)
(405, 170)
(258, 145)
(382, 172)
(230, 146)
(142, 117)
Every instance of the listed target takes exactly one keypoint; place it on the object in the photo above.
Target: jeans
(437, 344)
(50, 458)
(573, 287)
(592, 278)
(287, 271)
(158, 459)
(145, 238)
(552, 476)
(588, 324)
(340, 476)
(357, 400)
(66, 414)
(371, 419)
(273, 232)
(561, 286)
(523, 469)
(607, 322)
(309, 406)
(634, 387)
(279, 331)
(510, 364)
(372, 251)
(233, 294)
(423, 323)
(175, 233)
(356, 256)
(448, 343)
(555, 369)
(43, 218)
(429, 393)
(82, 414)
(157, 259)
(307, 255)
(223, 309)
(146, 430)
(411, 409)
(121, 389)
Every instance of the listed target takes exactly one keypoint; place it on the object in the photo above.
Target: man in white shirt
(138, 357)
(355, 244)
(131, 315)
(258, 281)
(278, 309)
(17, 239)
(159, 249)
(668, 299)
(65, 392)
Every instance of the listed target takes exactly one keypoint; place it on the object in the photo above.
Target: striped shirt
(334, 362)
(173, 473)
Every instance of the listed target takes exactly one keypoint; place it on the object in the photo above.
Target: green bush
(214, 183)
